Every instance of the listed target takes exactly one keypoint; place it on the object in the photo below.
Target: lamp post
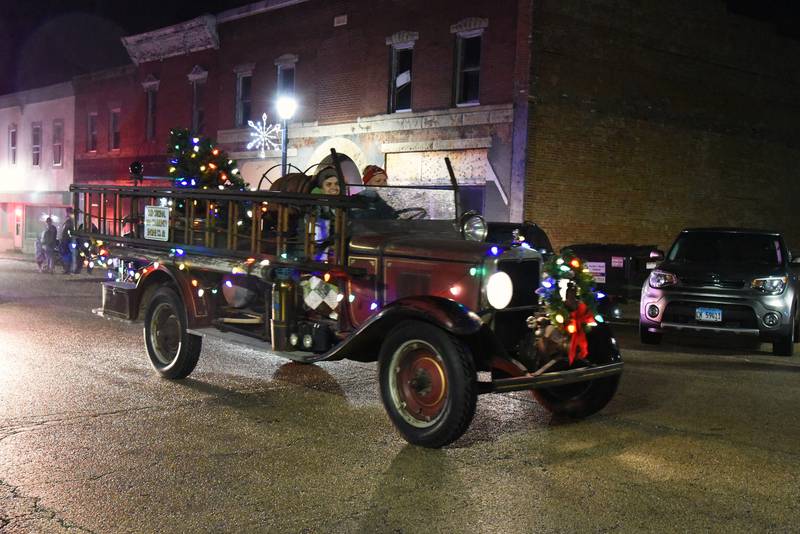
(286, 108)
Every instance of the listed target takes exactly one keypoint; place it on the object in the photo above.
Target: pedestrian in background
(49, 240)
(69, 248)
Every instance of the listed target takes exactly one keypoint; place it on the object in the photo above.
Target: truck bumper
(556, 378)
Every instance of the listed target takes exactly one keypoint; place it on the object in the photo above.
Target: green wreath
(566, 271)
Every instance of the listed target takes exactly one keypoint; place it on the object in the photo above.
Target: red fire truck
(313, 278)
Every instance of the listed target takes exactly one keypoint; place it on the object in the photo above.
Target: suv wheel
(784, 346)
(647, 337)
(428, 383)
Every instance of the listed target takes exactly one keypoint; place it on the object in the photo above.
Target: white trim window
(58, 143)
(198, 107)
(197, 78)
(150, 115)
(285, 80)
(12, 144)
(469, 36)
(36, 144)
(286, 65)
(91, 132)
(150, 86)
(244, 95)
(114, 134)
(400, 68)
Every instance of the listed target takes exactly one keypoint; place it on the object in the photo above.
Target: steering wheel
(412, 213)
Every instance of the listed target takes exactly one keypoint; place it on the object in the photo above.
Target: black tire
(173, 351)
(428, 383)
(649, 338)
(583, 399)
(784, 345)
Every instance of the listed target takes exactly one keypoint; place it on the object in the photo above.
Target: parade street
(702, 436)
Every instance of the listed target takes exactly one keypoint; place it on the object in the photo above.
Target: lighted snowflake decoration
(264, 136)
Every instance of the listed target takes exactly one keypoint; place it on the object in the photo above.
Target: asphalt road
(702, 436)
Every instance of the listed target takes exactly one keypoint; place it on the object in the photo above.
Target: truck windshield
(727, 247)
(435, 203)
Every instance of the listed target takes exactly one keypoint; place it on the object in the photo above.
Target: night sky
(49, 41)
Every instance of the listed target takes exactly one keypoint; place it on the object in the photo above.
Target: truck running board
(556, 378)
(263, 346)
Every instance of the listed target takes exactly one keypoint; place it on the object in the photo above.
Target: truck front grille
(525, 275)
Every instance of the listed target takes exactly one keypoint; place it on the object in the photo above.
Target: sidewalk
(15, 255)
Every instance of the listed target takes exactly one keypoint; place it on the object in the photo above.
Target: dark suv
(724, 280)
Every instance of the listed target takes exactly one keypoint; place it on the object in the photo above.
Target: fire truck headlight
(499, 290)
(473, 227)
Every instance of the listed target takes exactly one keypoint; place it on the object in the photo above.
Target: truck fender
(169, 275)
(364, 343)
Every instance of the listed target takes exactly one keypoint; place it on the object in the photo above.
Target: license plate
(708, 314)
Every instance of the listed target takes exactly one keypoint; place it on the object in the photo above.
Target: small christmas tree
(196, 163)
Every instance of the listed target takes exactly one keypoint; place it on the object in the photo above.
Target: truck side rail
(284, 227)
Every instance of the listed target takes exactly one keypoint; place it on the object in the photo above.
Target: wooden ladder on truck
(200, 236)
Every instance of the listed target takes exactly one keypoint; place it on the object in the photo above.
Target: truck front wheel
(583, 399)
(428, 383)
(172, 350)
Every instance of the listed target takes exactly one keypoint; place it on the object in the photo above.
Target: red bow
(579, 345)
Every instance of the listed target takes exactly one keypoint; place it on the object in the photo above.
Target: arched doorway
(349, 168)
(351, 158)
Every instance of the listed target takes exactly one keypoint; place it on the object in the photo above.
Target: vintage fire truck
(313, 277)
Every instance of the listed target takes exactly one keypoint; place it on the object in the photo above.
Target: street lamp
(286, 107)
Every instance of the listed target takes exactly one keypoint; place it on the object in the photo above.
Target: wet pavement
(702, 436)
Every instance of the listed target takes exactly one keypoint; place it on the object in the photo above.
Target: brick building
(595, 119)
(454, 94)
(648, 119)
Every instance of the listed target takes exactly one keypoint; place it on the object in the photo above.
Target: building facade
(384, 83)
(36, 161)
(593, 119)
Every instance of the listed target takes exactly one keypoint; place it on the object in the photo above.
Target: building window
(36, 144)
(91, 133)
(12, 144)
(243, 97)
(150, 86)
(197, 79)
(286, 74)
(401, 79)
(150, 117)
(286, 80)
(469, 33)
(468, 71)
(58, 143)
(400, 64)
(198, 109)
(113, 130)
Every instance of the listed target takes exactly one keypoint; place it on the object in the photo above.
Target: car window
(727, 247)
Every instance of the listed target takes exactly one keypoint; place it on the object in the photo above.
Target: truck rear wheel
(172, 350)
(428, 383)
(583, 399)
